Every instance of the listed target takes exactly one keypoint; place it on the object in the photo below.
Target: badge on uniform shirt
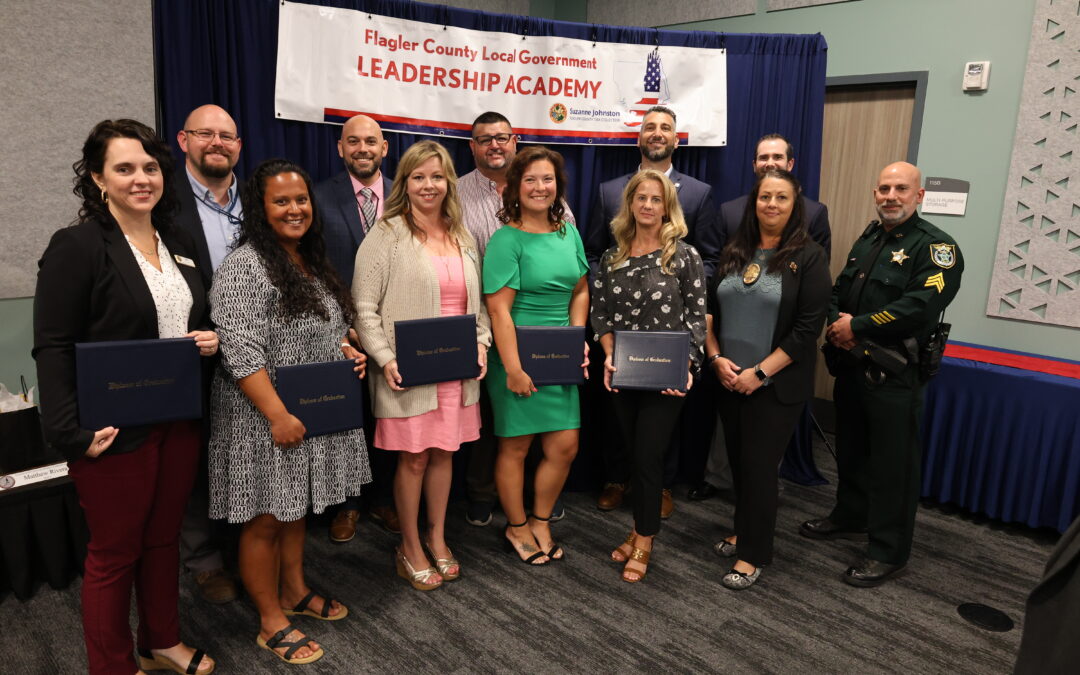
(184, 261)
(899, 257)
(943, 255)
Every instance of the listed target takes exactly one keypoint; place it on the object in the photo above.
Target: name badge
(184, 261)
(625, 263)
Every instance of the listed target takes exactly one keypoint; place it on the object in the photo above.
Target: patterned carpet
(577, 616)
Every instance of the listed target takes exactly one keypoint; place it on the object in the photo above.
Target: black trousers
(757, 429)
(383, 466)
(480, 474)
(647, 420)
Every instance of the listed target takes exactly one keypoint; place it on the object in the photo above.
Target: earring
(104, 195)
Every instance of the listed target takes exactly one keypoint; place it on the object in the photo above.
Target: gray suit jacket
(342, 231)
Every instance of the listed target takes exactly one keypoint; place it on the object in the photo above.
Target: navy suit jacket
(817, 221)
(342, 231)
(695, 197)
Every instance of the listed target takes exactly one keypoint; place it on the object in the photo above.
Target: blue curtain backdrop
(208, 51)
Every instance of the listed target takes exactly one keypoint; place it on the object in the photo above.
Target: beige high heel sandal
(444, 564)
(418, 579)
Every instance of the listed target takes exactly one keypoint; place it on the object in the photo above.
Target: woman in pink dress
(420, 262)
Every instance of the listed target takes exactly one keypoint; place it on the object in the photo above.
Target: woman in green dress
(534, 275)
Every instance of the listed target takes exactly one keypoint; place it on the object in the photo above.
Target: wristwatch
(760, 373)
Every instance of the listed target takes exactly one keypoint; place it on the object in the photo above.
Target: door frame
(919, 77)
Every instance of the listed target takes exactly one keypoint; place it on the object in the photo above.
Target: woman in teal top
(534, 275)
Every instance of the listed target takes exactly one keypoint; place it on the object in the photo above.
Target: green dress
(543, 268)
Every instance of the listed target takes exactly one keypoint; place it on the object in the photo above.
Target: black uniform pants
(878, 459)
(647, 420)
(757, 429)
(480, 474)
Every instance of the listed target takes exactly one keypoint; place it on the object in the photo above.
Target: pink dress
(451, 424)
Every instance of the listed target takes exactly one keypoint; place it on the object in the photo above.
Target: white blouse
(172, 296)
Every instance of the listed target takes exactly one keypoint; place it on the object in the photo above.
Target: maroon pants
(134, 504)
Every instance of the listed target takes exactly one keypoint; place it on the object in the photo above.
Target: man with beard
(210, 210)
(898, 279)
(657, 142)
(493, 144)
(350, 203)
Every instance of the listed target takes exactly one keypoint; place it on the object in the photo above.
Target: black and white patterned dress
(249, 475)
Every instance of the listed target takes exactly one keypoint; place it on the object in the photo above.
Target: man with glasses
(210, 211)
(493, 146)
(350, 203)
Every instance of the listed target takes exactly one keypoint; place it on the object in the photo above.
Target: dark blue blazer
(342, 231)
(817, 221)
(695, 197)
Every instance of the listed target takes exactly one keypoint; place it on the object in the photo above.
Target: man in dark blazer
(352, 201)
(1049, 642)
(657, 142)
(210, 212)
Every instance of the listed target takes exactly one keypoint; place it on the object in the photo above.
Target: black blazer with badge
(90, 289)
(816, 215)
(342, 230)
(804, 299)
(187, 218)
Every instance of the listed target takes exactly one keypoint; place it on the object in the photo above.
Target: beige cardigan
(394, 280)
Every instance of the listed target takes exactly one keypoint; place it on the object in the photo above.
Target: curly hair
(511, 195)
(740, 250)
(397, 204)
(624, 227)
(93, 161)
(298, 291)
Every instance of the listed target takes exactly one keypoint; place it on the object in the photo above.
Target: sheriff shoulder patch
(943, 255)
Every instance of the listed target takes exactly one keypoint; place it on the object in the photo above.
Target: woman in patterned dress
(420, 262)
(650, 280)
(278, 302)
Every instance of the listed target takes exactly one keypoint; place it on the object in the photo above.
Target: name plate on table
(442, 349)
(326, 397)
(552, 354)
(131, 382)
(652, 361)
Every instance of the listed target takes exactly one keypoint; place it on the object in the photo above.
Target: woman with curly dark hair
(122, 272)
(277, 301)
(534, 275)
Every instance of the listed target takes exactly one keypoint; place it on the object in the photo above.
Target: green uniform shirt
(914, 277)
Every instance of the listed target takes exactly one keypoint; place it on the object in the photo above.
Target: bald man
(900, 276)
(209, 196)
(352, 201)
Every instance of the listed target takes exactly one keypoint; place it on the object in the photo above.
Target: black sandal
(510, 545)
(147, 661)
(302, 609)
(278, 640)
(555, 548)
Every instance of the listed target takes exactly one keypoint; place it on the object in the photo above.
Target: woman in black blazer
(121, 272)
(767, 303)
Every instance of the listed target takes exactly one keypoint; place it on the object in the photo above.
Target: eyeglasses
(206, 135)
(501, 139)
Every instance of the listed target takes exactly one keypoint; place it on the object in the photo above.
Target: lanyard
(227, 211)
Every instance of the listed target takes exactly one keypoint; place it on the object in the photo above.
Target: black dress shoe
(869, 573)
(823, 528)
(702, 492)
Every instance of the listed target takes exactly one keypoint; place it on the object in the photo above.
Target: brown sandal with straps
(639, 555)
(630, 539)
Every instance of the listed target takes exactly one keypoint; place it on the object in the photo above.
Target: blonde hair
(397, 204)
(624, 227)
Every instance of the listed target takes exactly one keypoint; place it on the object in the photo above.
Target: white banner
(431, 79)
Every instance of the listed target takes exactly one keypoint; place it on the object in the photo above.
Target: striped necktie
(367, 209)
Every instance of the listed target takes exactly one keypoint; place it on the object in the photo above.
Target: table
(1004, 442)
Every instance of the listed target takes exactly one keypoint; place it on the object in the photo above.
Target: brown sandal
(630, 539)
(642, 556)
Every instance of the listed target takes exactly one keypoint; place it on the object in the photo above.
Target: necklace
(150, 254)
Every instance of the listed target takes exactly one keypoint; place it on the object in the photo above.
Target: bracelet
(712, 358)
(346, 344)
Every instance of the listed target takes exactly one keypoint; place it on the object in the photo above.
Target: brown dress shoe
(216, 587)
(387, 517)
(667, 505)
(611, 496)
(343, 528)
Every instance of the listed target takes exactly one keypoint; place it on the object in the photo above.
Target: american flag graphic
(651, 89)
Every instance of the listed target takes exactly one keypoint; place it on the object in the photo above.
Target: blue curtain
(208, 51)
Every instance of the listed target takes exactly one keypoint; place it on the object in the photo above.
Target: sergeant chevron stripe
(935, 281)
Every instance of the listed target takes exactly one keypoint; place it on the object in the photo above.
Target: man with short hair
(883, 334)
(493, 144)
(210, 211)
(657, 141)
(350, 203)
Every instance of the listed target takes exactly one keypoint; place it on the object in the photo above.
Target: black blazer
(816, 213)
(804, 298)
(1049, 642)
(695, 198)
(90, 289)
(187, 218)
(342, 230)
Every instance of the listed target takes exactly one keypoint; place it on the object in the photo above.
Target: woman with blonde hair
(420, 262)
(649, 281)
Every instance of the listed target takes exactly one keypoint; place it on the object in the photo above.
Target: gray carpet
(577, 616)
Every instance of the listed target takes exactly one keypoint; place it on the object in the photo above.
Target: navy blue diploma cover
(552, 354)
(326, 397)
(441, 349)
(651, 360)
(123, 383)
